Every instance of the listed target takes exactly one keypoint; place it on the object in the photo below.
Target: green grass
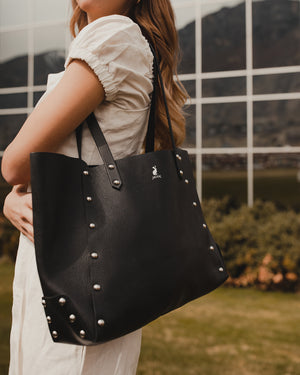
(228, 332)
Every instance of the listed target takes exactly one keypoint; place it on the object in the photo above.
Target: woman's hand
(18, 210)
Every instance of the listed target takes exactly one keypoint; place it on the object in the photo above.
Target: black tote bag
(119, 244)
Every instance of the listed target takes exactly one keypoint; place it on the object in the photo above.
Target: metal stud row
(72, 317)
(82, 333)
(96, 287)
(94, 255)
(221, 269)
(101, 322)
(181, 174)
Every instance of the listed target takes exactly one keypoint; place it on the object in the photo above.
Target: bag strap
(103, 148)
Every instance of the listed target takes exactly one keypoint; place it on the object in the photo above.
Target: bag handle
(103, 148)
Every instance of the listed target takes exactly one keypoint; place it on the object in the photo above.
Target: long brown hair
(157, 22)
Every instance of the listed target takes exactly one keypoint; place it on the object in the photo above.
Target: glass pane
(37, 96)
(276, 28)
(277, 178)
(10, 126)
(276, 83)
(13, 12)
(49, 47)
(14, 59)
(50, 11)
(190, 116)
(225, 175)
(13, 100)
(223, 36)
(190, 87)
(224, 125)
(228, 86)
(276, 123)
(185, 20)
(193, 161)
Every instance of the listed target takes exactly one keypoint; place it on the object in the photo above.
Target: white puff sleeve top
(115, 48)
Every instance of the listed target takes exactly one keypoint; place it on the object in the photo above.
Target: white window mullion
(249, 85)
(30, 55)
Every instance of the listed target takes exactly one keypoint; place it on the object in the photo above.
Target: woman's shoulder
(117, 51)
(104, 29)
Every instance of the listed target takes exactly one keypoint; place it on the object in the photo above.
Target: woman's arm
(76, 95)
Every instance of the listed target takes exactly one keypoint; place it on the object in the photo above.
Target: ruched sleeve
(115, 48)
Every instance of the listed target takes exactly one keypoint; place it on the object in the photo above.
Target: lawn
(228, 332)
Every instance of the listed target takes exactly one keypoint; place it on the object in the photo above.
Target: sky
(14, 41)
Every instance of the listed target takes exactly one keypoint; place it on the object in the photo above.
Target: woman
(108, 71)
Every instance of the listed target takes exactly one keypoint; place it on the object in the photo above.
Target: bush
(260, 245)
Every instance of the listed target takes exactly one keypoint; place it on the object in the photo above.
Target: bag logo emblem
(155, 173)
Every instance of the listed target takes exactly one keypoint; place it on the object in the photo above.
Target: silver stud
(221, 269)
(204, 225)
(49, 319)
(82, 333)
(62, 301)
(94, 255)
(92, 225)
(211, 248)
(72, 318)
(117, 182)
(86, 173)
(43, 302)
(194, 204)
(96, 287)
(54, 334)
(111, 166)
(186, 181)
(181, 172)
(101, 322)
(178, 156)
(89, 198)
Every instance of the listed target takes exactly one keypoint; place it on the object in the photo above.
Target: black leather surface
(155, 251)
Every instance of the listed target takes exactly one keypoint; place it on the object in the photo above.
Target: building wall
(240, 64)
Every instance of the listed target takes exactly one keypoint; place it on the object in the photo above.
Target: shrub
(260, 245)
